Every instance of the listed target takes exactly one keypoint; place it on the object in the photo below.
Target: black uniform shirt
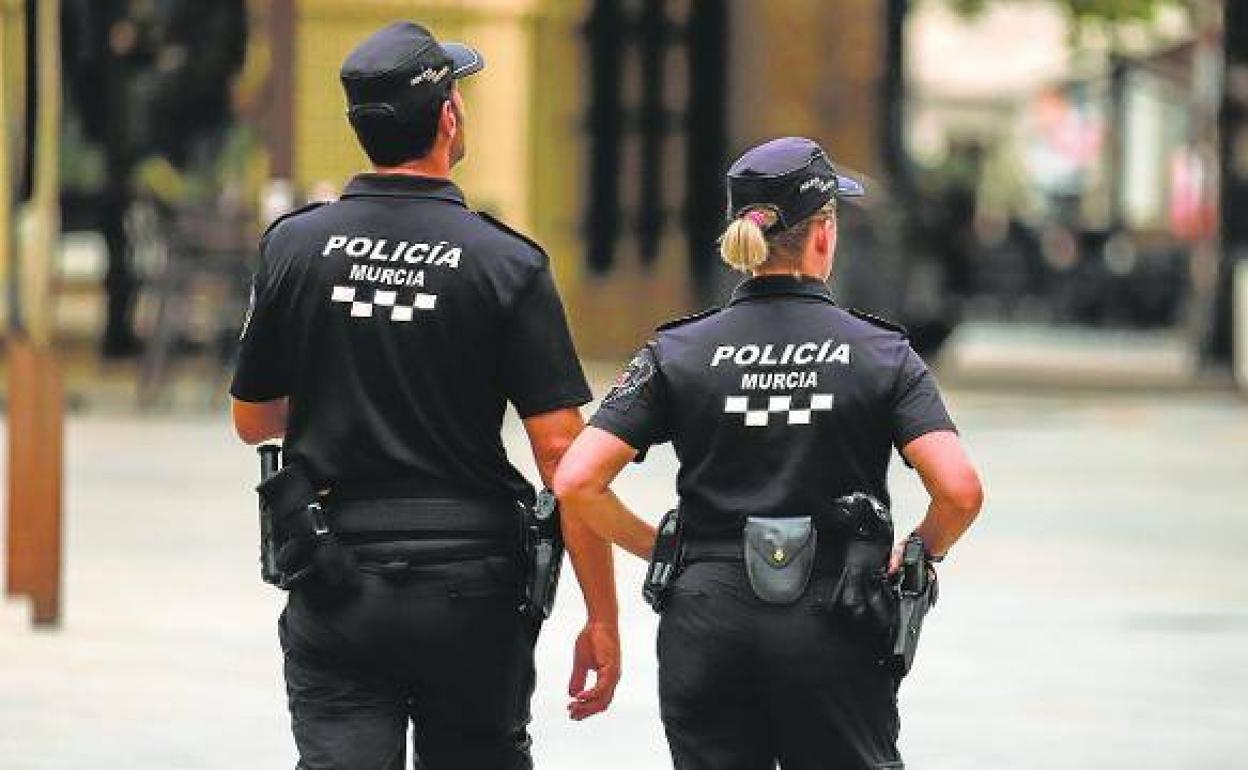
(775, 405)
(400, 323)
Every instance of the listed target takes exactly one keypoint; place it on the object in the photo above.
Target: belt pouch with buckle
(307, 546)
(779, 556)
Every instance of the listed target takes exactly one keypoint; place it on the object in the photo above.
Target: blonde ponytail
(743, 245)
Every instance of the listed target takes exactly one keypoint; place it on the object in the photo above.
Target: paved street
(1096, 617)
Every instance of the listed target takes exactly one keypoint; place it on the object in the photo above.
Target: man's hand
(597, 649)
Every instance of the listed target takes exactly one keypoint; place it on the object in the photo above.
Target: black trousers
(440, 646)
(744, 685)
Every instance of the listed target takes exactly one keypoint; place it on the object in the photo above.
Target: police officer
(777, 405)
(388, 331)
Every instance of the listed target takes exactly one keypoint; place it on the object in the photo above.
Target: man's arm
(598, 645)
(259, 421)
(953, 484)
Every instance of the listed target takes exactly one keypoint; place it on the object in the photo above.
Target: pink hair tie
(758, 217)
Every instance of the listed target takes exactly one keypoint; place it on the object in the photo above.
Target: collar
(403, 186)
(764, 286)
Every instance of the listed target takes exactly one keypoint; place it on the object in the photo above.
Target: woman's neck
(794, 272)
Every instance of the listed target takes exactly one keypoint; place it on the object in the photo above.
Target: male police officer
(387, 331)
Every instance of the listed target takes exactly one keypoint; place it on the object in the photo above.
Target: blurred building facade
(1086, 158)
(604, 127)
(1015, 175)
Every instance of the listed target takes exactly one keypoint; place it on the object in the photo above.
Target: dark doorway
(657, 133)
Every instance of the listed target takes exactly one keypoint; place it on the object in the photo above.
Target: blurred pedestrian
(150, 83)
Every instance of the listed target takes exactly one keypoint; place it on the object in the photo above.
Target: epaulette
(289, 214)
(877, 321)
(710, 311)
(501, 225)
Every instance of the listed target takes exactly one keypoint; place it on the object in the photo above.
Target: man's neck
(428, 166)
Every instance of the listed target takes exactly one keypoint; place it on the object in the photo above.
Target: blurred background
(1058, 213)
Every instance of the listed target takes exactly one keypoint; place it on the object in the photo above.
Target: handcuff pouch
(779, 556)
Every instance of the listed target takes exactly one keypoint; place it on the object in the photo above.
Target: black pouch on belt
(779, 556)
(308, 548)
(862, 594)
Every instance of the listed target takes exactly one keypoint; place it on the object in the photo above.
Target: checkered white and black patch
(385, 299)
(760, 416)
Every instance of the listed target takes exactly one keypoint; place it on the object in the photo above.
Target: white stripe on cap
(848, 187)
(476, 59)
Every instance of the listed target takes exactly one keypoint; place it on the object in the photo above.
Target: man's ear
(823, 239)
(448, 120)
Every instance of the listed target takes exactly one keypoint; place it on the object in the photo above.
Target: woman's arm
(953, 484)
(582, 484)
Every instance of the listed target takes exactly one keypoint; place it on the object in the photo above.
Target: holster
(862, 594)
(917, 589)
(306, 548)
(779, 556)
(542, 545)
(665, 561)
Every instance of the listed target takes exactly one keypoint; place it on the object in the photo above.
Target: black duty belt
(731, 550)
(712, 550)
(426, 518)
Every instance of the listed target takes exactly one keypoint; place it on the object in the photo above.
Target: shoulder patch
(710, 311)
(640, 370)
(498, 223)
(877, 321)
(290, 215)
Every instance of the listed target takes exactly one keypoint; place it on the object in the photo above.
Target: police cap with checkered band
(792, 176)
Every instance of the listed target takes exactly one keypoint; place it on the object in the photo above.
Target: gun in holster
(664, 561)
(917, 589)
(295, 538)
(542, 544)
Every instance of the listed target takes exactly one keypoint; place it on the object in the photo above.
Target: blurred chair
(200, 258)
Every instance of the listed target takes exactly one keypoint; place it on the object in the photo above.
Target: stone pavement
(1012, 356)
(1095, 617)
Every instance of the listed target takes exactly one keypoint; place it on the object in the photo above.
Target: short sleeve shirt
(399, 324)
(776, 404)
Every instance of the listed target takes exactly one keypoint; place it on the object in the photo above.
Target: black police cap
(400, 69)
(792, 176)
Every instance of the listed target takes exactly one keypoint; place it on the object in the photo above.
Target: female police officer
(777, 404)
